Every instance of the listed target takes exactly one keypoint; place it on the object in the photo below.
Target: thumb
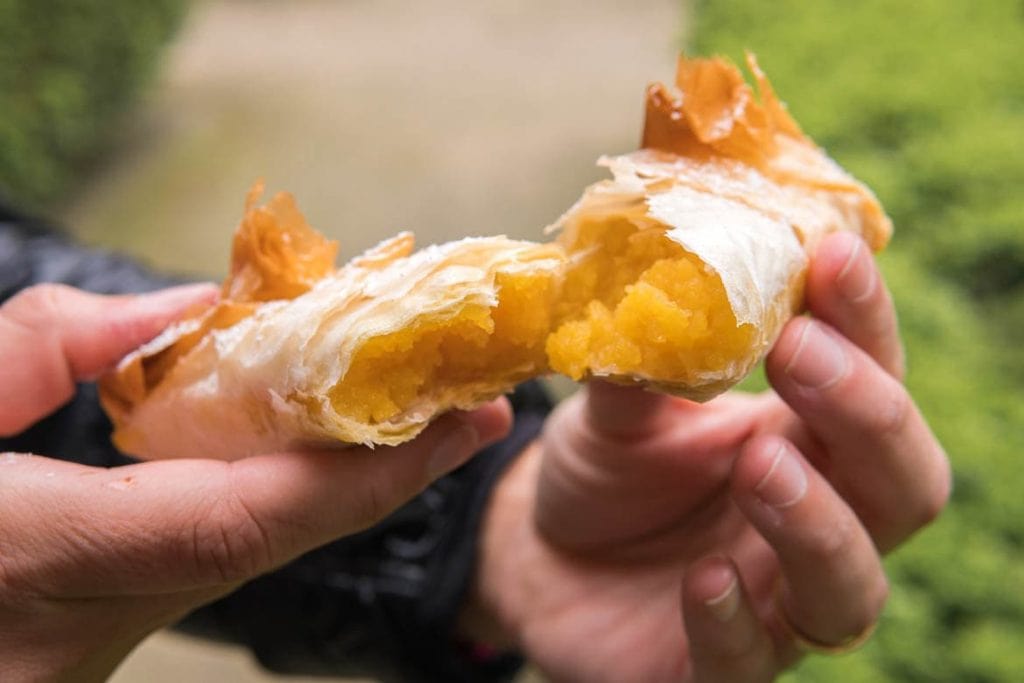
(624, 412)
(304, 500)
(189, 525)
(52, 336)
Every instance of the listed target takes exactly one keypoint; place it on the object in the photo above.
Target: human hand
(92, 560)
(647, 538)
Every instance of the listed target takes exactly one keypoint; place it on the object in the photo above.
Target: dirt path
(446, 117)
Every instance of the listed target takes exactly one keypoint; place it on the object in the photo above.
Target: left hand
(92, 560)
(647, 538)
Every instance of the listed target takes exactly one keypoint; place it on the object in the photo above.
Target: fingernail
(785, 483)
(453, 450)
(858, 278)
(818, 361)
(724, 605)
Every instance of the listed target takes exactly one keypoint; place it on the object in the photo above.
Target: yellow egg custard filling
(395, 373)
(635, 303)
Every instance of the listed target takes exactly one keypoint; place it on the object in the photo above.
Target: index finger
(52, 336)
(846, 290)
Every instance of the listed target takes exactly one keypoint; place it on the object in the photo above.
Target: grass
(924, 101)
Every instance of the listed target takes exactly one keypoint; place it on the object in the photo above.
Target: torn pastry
(678, 273)
(299, 354)
(683, 268)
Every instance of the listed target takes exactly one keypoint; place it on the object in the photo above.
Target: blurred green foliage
(924, 101)
(68, 68)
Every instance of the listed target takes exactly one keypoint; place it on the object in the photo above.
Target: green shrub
(922, 100)
(68, 68)
(925, 102)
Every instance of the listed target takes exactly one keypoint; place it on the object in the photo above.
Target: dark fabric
(382, 603)
(32, 252)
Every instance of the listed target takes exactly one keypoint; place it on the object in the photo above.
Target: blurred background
(140, 125)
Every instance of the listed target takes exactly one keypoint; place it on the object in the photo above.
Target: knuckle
(828, 543)
(890, 413)
(228, 544)
(738, 648)
(38, 302)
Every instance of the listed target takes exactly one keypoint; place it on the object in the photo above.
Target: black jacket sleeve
(381, 603)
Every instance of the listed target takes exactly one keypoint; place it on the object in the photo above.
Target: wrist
(72, 639)
(28, 658)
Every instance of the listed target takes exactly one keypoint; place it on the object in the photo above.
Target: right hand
(647, 538)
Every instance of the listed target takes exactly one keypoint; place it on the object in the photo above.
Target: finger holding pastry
(846, 290)
(881, 454)
(52, 336)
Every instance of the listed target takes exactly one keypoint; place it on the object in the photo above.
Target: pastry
(683, 268)
(677, 273)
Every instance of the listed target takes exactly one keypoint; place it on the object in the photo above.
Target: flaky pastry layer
(677, 273)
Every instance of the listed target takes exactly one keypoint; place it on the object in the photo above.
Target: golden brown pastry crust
(729, 177)
(243, 378)
(716, 117)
